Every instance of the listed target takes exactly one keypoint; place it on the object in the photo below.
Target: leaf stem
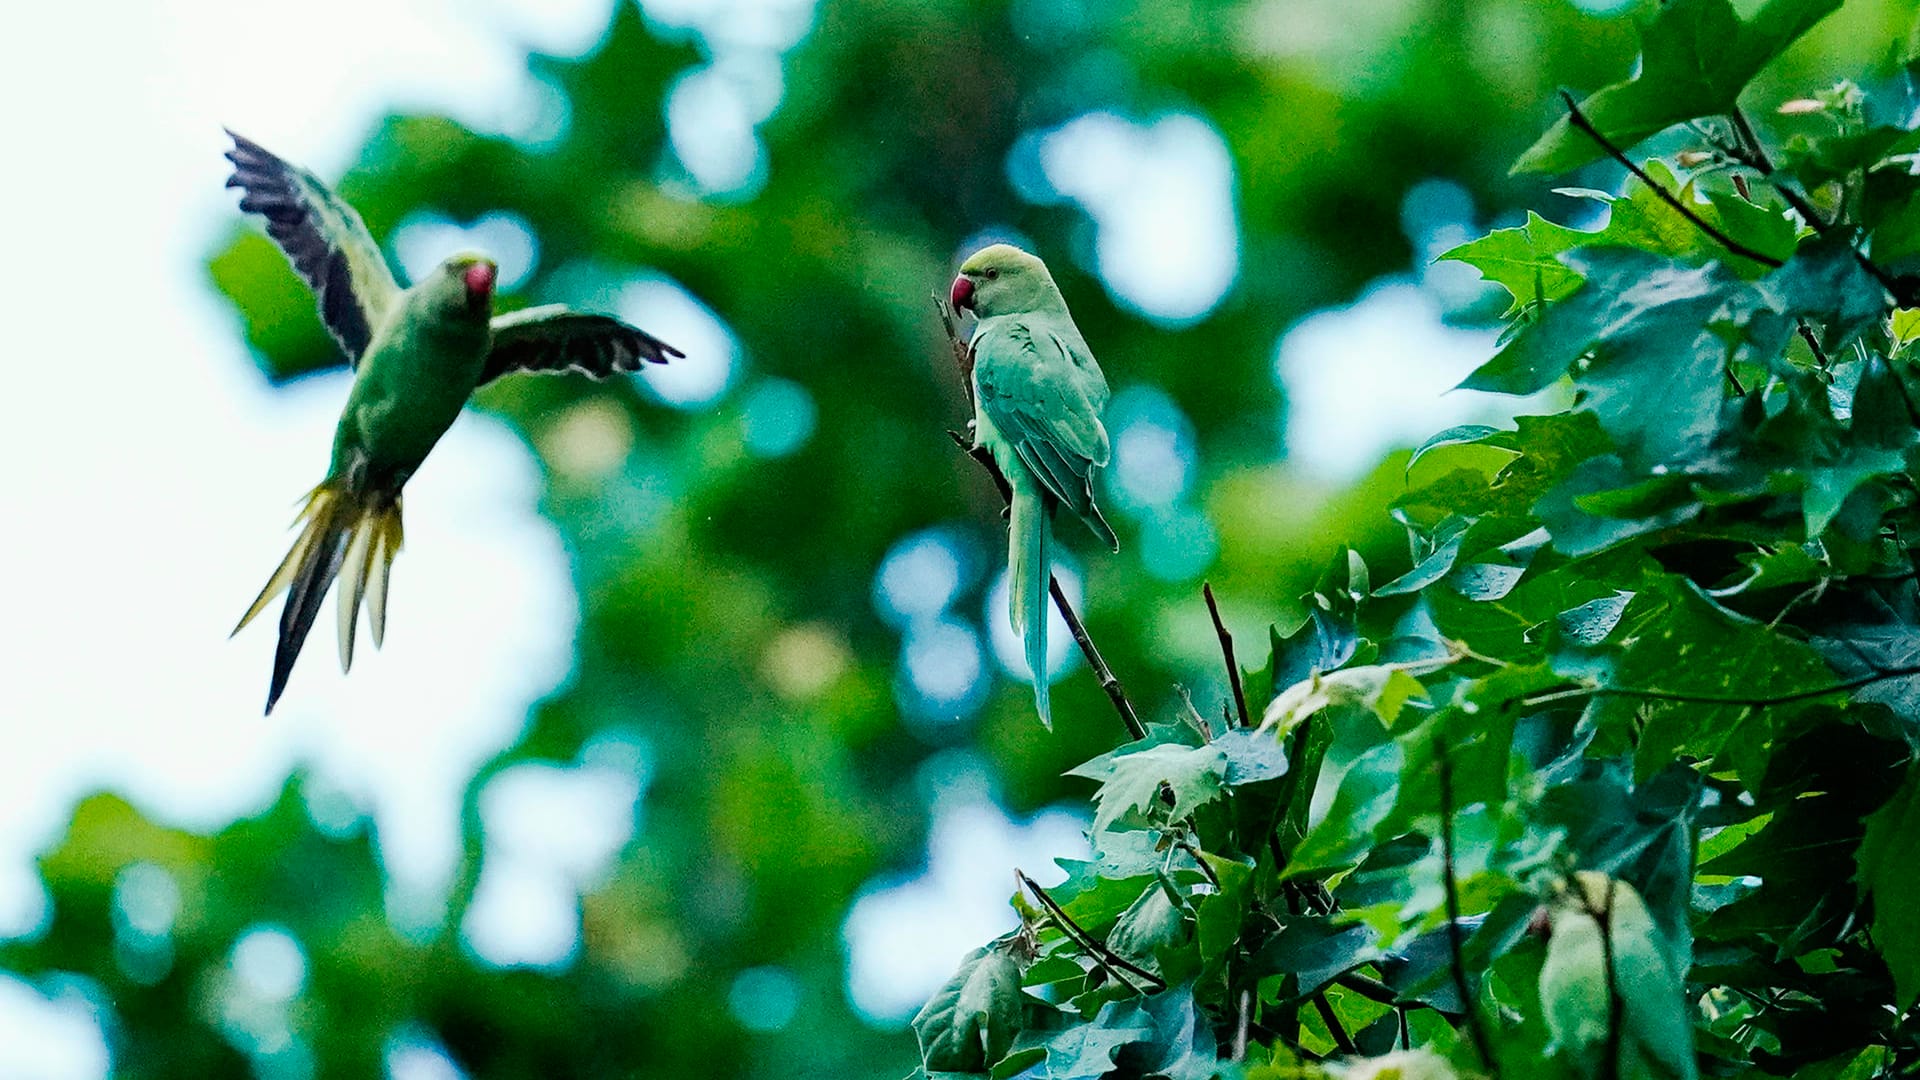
(963, 357)
(1206, 871)
(1579, 120)
(1226, 653)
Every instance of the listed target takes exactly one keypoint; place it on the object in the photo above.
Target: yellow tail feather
(315, 508)
(345, 534)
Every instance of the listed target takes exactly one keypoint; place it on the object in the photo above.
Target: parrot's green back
(1040, 389)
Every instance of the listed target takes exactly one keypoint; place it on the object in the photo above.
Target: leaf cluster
(1620, 778)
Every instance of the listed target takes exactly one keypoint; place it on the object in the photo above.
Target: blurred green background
(787, 641)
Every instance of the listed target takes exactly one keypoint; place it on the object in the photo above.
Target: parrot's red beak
(479, 279)
(962, 296)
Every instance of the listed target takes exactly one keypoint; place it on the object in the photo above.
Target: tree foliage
(1619, 778)
(1768, 844)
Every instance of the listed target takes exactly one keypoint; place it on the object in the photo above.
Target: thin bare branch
(1748, 150)
(1341, 1040)
(1226, 653)
(1757, 702)
(1579, 120)
(1116, 964)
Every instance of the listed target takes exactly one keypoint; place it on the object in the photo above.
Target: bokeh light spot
(1009, 649)
(906, 934)
(423, 240)
(673, 315)
(52, 1036)
(1161, 197)
(146, 899)
(1365, 379)
(711, 125)
(921, 576)
(1154, 450)
(777, 418)
(764, 998)
(552, 833)
(270, 963)
(942, 672)
(590, 441)
(412, 1054)
(803, 661)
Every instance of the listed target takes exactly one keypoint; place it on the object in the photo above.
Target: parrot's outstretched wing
(1032, 392)
(557, 339)
(323, 237)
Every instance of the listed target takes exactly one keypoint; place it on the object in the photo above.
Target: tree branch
(1376, 991)
(1341, 1040)
(1579, 120)
(1456, 945)
(963, 358)
(1820, 359)
(1842, 687)
(1226, 653)
(1107, 958)
(1748, 151)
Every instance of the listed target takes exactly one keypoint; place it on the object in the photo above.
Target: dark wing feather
(555, 339)
(324, 239)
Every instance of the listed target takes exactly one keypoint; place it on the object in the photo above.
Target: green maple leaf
(971, 1021)
(1696, 57)
(1524, 260)
(1196, 775)
(1086, 1050)
(1382, 688)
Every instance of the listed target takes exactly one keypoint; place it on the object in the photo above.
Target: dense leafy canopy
(1646, 636)
(1618, 779)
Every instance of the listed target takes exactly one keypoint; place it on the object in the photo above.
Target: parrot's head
(1003, 280)
(461, 288)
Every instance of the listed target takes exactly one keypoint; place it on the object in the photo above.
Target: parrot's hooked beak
(962, 296)
(479, 279)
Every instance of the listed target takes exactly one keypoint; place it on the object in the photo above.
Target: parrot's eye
(992, 273)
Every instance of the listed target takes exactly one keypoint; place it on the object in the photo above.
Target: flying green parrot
(1656, 1033)
(417, 353)
(1038, 397)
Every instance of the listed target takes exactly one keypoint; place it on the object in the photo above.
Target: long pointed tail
(348, 536)
(1029, 574)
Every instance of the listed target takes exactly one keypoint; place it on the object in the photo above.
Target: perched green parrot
(1038, 397)
(1656, 1033)
(418, 353)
